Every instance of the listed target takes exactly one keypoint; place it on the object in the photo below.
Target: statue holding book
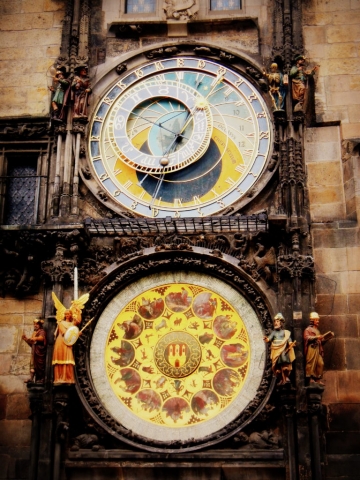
(314, 351)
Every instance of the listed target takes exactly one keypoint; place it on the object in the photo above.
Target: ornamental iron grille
(20, 197)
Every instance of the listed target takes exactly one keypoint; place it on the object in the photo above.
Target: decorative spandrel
(175, 356)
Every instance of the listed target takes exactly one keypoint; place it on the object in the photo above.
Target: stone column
(288, 400)
(314, 397)
(36, 395)
(61, 403)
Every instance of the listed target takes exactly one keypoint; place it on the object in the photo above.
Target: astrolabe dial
(180, 137)
(163, 134)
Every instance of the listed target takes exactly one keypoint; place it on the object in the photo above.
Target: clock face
(180, 137)
(177, 356)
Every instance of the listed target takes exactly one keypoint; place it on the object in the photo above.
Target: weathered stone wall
(332, 40)
(16, 318)
(30, 35)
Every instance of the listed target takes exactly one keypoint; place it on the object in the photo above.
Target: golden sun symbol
(201, 103)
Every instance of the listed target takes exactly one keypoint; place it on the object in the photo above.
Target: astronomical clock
(176, 356)
(179, 137)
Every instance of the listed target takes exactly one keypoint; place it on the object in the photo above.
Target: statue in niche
(66, 335)
(86, 441)
(59, 100)
(281, 351)
(80, 91)
(277, 86)
(37, 342)
(181, 9)
(266, 439)
(121, 68)
(299, 81)
(314, 352)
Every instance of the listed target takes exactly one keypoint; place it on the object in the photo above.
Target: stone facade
(332, 157)
(34, 35)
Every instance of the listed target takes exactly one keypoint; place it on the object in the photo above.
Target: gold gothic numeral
(104, 177)
(159, 66)
(139, 73)
(240, 168)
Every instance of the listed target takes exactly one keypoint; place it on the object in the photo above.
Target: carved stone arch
(106, 74)
(154, 264)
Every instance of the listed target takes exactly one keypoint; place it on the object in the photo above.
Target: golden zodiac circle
(177, 354)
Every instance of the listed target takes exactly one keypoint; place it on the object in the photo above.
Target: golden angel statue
(66, 334)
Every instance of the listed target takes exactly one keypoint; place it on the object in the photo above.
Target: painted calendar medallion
(177, 356)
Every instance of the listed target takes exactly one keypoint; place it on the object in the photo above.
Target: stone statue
(181, 9)
(81, 90)
(85, 441)
(66, 332)
(277, 86)
(265, 439)
(282, 350)
(59, 100)
(314, 352)
(37, 342)
(299, 77)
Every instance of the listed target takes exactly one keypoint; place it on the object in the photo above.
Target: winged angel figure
(66, 334)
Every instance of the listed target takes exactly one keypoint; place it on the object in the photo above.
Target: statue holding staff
(66, 334)
(282, 350)
(37, 342)
(59, 100)
(277, 86)
(81, 89)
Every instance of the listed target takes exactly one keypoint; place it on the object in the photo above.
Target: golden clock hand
(218, 79)
(189, 117)
(174, 116)
(154, 123)
(156, 191)
(142, 180)
(199, 82)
